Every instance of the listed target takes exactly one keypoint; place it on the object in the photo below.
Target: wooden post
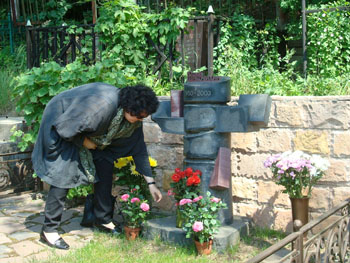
(14, 14)
(94, 11)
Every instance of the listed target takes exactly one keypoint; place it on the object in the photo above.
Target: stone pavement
(21, 219)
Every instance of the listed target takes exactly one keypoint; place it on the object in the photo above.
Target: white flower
(323, 14)
(318, 43)
(325, 30)
(319, 162)
(340, 37)
(332, 35)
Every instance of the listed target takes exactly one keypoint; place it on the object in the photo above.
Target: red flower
(176, 177)
(196, 179)
(177, 170)
(188, 172)
(198, 172)
(193, 180)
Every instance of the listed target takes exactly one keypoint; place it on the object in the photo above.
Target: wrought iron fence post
(10, 32)
(29, 41)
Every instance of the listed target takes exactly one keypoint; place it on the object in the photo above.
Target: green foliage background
(247, 53)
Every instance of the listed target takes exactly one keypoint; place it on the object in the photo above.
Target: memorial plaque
(177, 103)
(217, 90)
(221, 177)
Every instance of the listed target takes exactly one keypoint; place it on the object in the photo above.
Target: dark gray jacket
(70, 116)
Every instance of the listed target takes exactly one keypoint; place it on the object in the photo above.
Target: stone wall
(312, 124)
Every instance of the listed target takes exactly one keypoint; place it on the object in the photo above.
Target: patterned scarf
(119, 128)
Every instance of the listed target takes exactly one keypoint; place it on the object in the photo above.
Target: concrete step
(228, 236)
(6, 124)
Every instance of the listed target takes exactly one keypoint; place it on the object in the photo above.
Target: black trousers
(103, 204)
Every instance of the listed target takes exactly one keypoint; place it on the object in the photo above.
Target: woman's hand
(88, 144)
(156, 194)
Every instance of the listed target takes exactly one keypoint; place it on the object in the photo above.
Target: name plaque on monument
(204, 89)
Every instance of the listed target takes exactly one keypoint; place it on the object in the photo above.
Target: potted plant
(135, 211)
(184, 184)
(201, 220)
(298, 173)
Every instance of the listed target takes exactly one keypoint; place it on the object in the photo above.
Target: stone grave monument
(206, 124)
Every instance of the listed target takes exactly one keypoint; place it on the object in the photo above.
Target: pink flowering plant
(134, 208)
(297, 171)
(201, 216)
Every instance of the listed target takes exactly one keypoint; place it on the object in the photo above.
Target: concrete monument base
(164, 228)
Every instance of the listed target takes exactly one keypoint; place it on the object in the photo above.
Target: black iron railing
(310, 245)
(61, 44)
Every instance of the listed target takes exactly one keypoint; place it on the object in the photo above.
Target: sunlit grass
(106, 249)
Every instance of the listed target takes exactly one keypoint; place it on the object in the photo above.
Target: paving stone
(27, 247)
(38, 219)
(13, 260)
(67, 214)
(4, 239)
(7, 219)
(19, 236)
(24, 214)
(5, 250)
(35, 228)
(9, 228)
(74, 242)
(39, 256)
(73, 226)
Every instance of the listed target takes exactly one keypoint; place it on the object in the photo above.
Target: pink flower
(215, 199)
(135, 199)
(170, 193)
(125, 197)
(144, 207)
(197, 198)
(185, 201)
(197, 226)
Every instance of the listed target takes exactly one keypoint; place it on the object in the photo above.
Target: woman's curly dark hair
(138, 100)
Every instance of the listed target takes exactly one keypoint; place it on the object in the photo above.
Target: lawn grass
(104, 248)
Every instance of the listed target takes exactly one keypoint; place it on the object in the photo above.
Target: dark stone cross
(206, 124)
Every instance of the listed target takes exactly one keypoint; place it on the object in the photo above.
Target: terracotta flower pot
(204, 248)
(131, 233)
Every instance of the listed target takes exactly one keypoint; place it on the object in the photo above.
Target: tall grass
(11, 66)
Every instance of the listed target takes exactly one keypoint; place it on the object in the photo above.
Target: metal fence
(325, 239)
(61, 44)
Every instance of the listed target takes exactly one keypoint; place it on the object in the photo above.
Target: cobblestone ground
(21, 219)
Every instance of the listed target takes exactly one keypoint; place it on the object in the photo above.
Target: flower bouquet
(126, 175)
(135, 211)
(297, 171)
(201, 218)
(185, 184)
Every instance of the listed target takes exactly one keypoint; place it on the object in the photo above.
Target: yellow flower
(152, 162)
(121, 162)
(133, 170)
(129, 158)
